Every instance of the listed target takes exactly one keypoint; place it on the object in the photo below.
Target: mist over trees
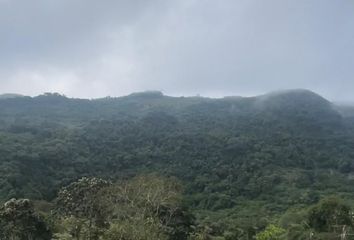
(149, 166)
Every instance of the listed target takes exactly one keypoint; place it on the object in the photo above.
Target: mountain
(307, 111)
(238, 158)
(10, 95)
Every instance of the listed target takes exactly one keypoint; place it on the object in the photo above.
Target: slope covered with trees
(244, 162)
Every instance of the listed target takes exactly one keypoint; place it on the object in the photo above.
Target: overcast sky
(87, 48)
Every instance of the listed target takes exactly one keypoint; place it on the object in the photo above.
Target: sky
(214, 48)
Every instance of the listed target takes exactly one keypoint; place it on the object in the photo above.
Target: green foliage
(82, 198)
(134, 230)
(82, 202)
(330, 215)
(152, 203)
(19, 221)
(146, 207)
(272, 232)
(243, 162)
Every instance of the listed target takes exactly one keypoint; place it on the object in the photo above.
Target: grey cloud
(186, 47)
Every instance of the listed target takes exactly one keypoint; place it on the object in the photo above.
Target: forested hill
(236, 156)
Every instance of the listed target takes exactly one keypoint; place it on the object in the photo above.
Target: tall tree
(152, 204)
(81, 202)
(19, 221)
(330, 215)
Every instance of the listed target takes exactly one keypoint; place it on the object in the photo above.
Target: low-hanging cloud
(87, 48)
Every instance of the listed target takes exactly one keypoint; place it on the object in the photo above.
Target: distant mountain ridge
(275, 150)
(156, 93)
(10, 95)
(305, 104)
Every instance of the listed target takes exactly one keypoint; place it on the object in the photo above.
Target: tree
(82, 203)
(329, 215)
(152, 205)
(19, 221)
(272, 232)
(137, 229)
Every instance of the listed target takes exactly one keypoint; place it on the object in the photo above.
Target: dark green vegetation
(244, 163)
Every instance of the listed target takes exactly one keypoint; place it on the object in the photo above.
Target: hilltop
(240, 158)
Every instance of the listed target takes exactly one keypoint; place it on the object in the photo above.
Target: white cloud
(99, 48)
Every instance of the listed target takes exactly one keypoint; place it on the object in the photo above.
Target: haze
(91, 49)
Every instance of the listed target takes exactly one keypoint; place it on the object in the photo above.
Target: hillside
(245, 159)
